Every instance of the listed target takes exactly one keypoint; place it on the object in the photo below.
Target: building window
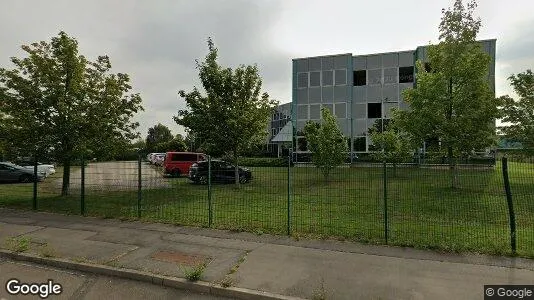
(315, 78)
(279, 129)
(302, 144)
(330, 107)
(359, 144)
(405, 74)
(341, 110)
(302, 80)
(341, 77)
(374, 110)
(360, 78)
(328, 78)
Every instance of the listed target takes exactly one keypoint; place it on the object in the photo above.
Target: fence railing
(478, 208)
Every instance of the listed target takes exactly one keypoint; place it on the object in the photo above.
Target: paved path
(78, 285)
(116, 176)
(277, 264)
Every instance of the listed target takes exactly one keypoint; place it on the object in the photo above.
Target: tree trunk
(453, 168)
(236, 169)
(66, 177)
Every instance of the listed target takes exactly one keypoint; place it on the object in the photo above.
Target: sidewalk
(275, 264)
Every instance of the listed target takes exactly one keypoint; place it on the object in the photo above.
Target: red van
(178, 163)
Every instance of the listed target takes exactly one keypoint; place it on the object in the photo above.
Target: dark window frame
(357, 78)
(406, 74)
(372, 109)
(318, 81)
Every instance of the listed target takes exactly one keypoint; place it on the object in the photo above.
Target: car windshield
(12, 165)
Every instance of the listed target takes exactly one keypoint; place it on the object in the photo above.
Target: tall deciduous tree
(326, 142)
(233, 115)
(157, 135)
(54, 98)
(453, 102)
(520, 114)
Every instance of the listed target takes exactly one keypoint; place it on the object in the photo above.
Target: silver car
(10, 172)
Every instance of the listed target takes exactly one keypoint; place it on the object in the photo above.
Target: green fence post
(34, 199)
(289, 194)
(82, 188)
(139, 185)
(385, 178)
(210, 212)
(511, 212)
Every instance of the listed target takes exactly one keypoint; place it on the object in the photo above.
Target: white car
(159, 159)
(44, 169)
(155, 157)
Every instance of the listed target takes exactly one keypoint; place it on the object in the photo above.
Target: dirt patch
(180, 258)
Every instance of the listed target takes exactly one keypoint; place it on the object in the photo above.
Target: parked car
(46, 169)
(154, 157)
(221, 171)
(10, 172)
(178, 163)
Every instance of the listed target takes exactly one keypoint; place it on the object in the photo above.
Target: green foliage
(18, 244)
(232, 116)
(56, 100)
(157, 138)
(262, 161)
(453, 102)
(326, 143)
(520, 114)
(195, 272)
(176, 144)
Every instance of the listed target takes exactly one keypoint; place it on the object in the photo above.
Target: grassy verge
(423, 211)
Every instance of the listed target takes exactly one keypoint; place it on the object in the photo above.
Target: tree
(176, 144)
(453, 102)
(157, 135)
(326, 142)
(391, 144)
(233, 115)
(57, 99)
(520, 114)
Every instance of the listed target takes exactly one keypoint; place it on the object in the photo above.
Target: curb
(172, 282)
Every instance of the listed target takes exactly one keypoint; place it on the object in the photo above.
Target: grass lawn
(423, 211)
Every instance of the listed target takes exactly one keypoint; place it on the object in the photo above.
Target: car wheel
(203, 179)
(243, 179)
(176, 173)
(25, 178)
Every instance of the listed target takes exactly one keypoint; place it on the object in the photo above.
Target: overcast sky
(156, 42)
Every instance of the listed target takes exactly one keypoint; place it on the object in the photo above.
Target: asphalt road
(78, 285)
(119, 175)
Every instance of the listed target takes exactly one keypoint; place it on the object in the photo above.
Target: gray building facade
(358, 90)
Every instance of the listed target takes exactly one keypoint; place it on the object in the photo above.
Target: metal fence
(491, 210)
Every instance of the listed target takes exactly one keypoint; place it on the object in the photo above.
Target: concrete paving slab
(212, 241)
(227, 234)
(52, 233)
(128, 236)
(18, 220)
(299, 271)
(222, 260)
(12, 230)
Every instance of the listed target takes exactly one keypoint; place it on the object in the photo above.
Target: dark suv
(221, 171)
